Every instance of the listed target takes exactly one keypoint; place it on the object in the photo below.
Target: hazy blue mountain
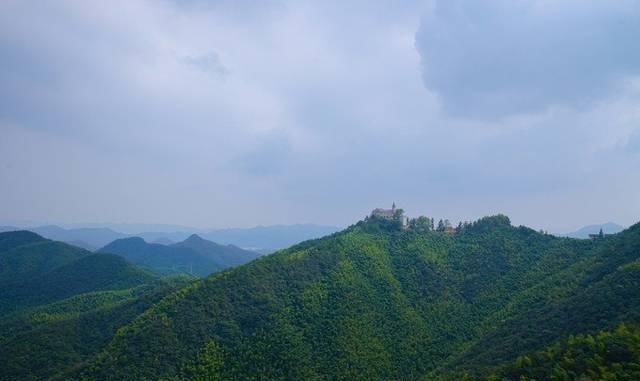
(259, 238)
(86, 238)
(226, 256)
(164, 237)
(608, 228)
(90, 238)
(136, 229)
(269, 237)
(161, 258)
(8, 229)
(194, 255)
(163, 241)
(82, 244)
(264, 239)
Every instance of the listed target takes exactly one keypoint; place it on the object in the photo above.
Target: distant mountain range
(269, 237)
(223, 255)
(264, 239)
(86, 238)
(608, 228)
(194, 255)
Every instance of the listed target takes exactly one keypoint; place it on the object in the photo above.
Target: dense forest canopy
(377, 301)
(380, 302)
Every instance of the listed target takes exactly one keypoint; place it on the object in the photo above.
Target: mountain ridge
(583, 232)
(193, 255)
(264, 238)
(376, 302)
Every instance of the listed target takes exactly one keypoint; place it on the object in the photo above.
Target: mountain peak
(194, 238)
(9, 240)
(607, 228)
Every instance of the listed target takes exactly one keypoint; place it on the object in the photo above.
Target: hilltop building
(600, 235)
(391, 214)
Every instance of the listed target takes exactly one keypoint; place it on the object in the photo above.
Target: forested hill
(34, 271)
(60, 304)
(376, 302)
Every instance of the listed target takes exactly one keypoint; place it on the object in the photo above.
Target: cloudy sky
(238, 113)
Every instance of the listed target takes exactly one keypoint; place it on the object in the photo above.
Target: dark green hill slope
(36, 271)
(603, 355)
(60, 304)
(225, 256)
(91, 273)
(12, 239)
(26, 255)
(376, 302)
(52, 339)
(598, 291)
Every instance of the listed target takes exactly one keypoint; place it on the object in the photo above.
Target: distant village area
(420, 223)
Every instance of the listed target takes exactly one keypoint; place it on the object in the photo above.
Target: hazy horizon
(227, 114)
(135, 228)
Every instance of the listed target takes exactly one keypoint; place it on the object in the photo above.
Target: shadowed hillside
(34, 270)
(60, 304)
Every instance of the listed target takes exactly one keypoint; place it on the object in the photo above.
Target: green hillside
(50, 340)
(12, 239)
(36, 271)
(91, 273)
(376, 302)
(605, 355)
(59, 304)
(26, 255)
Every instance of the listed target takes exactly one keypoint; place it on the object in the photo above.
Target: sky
(240, 113)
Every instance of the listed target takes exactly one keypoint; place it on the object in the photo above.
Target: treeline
(604, 355)
(426, 224)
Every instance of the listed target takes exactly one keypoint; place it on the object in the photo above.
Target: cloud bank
(496, 58)
(228, 114)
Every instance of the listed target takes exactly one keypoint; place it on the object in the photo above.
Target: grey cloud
(268, 157)
(208, 63)
(324, 113)
(496, 58)
(633, 143)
